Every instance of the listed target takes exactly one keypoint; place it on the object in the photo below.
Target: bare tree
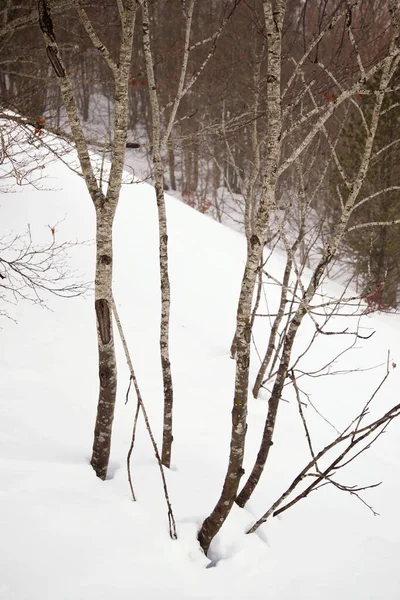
(105, 203)
(294, 124)
(275, 146)
(163, 120)
(347, 446)
(30, 271)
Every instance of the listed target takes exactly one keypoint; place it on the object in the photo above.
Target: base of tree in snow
(61, 525)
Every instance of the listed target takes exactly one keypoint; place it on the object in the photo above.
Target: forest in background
(277, 114)
(215, 153)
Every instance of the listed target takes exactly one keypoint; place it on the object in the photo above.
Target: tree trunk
(163, 242)
(171, 164)
(105, 205)
(165, 317)
(214, 522)
(255, 245)
(105, 339)
(274, 329)
(273, 405)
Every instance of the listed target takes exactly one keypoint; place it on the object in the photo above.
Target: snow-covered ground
(65, 535)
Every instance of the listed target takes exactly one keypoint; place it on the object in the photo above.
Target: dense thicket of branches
(373, 252)
(214, 155)
(288, 132)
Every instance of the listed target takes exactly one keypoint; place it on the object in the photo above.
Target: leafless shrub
(31, 272)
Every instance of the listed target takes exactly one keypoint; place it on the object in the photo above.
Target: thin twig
(128, 458)
(303, 419)
(140, 405)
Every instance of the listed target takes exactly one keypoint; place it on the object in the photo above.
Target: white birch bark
(389, 67)
(105, 207)
(276, 164)
(159, 141)
(163, 241)
(213, 523)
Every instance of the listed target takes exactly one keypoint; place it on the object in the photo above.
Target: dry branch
(141, 406)
(354, 434)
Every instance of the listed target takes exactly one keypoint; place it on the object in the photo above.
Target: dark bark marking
(45, 20)
(104, 376)
(236, 416)
(46, 25)
(103, 320)
(245, 361)
(55, 61)
(165, 363)
(254, 240)
(105, 259)
(247, 333)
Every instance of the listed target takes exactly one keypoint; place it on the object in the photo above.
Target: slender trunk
(165, 316)
(195, 168)
(274, 329)
(214, 522)
(250, 200)
(187, 173)
(255, 246)
(273, 405)
(105, 339)
(85, 91)
(105, 205)
(163, 244)
(171, 164)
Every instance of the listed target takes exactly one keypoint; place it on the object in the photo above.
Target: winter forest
(199, 295)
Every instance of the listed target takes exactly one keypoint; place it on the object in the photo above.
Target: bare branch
(374, 224)
(140, 404)
(94, 38)
(354, 435)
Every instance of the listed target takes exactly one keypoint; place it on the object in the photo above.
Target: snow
(68, 536)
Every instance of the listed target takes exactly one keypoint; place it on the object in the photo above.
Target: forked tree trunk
(105, 204)
(255, 245)
(273, 405)
(320, 270)
(214, 522)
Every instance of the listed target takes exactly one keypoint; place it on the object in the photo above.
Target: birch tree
(274, 22)
(298, 115)
(163, 240)
(163, 120)
(104, 202)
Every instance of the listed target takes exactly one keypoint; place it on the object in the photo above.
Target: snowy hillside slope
(68, 536)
